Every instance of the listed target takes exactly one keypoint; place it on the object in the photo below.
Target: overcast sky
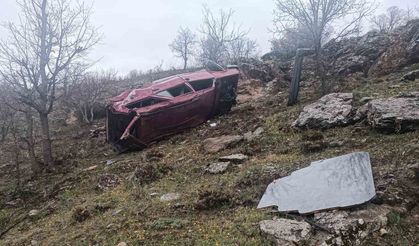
(137, 32)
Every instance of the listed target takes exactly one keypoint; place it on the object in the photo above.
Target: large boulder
(329, 111)
(395, 114)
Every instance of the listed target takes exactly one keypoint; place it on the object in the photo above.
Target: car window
(175, 92)
(201, 84)
(144, 103)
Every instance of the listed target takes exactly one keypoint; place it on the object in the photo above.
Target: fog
(137, 32)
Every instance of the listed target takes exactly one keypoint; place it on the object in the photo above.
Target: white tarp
(337, 182)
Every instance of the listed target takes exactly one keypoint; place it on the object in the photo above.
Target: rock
(213, 145)
(34, 212)
(249, 136)
(365, 99)
(329, 111)
(361, 113)
(116, 212)
(34, 243)
(90, 168)
(286, 231)
(383, 232)
(336, 143)
(395, 114)
(122, 244)
(411, 76)
(218, 167)
(235, 158)
(169, 197)
(350, 227)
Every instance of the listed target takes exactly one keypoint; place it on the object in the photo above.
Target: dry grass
(212, 209)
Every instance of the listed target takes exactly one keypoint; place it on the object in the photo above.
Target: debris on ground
(213, 145)
(217, 167)
(332, 183)
(329, 111)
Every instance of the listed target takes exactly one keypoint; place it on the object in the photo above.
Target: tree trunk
(92, 114)
(185, 64)
(30, 141)
(46, 141)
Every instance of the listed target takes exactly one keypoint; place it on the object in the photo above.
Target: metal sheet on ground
(337, 182)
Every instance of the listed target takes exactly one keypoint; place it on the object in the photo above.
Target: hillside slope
(96, 197)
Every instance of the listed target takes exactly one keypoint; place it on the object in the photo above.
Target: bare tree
(6, 119)
(218, 32)
(20, 118)
(89, 92)
(241, 48)
(290, 40)
(183, 45)
(321, 18)
(52, 36)
(394, 17)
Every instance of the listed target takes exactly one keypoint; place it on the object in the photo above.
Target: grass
(212, 209)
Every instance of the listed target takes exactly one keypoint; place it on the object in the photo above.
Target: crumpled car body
(138, 117)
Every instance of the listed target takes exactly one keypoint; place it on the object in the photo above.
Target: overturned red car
(138, 117)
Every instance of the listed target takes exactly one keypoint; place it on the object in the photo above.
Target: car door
(179, 114)
(206, 92)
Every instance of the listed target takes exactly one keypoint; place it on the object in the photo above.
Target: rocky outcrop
(375, 53)
(356, 54)
(402, 51)
(255, 69)
(394, 114)
(329, 111)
